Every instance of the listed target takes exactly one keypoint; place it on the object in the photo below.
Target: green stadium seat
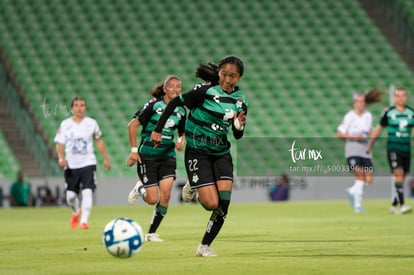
(303, 58)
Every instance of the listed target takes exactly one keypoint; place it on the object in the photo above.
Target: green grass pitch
(312, 237)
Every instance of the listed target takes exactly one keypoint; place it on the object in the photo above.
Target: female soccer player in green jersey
(215, 107)
(400, 120)
(156, 166)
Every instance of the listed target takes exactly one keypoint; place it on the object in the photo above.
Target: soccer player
(355, 129)
(215, 107)
(74, 146)
(156, 166)
(400, 120)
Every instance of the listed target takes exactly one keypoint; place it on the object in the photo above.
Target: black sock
(400, 192)
(217, 218)
(157, 217)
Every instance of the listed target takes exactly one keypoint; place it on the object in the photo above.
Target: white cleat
(187, 193)
(136, 192)
(204, 250)
(153, 237)
(405, 209)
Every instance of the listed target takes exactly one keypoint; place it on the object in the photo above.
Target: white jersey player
(74, 146)
(356, 128)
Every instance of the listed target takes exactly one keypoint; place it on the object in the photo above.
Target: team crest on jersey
(239, 102)
(79, 147)
(195, 178)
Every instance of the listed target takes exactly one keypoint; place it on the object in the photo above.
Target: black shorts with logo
(398, 160)
(80, 178)
(360, 163)
(203, 169)
(150, 172)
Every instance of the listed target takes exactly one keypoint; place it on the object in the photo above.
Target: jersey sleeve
(97, 134)
(343, 127)
(181, 125)
(195, 97)
(145, 113)
(60, 135)
(384, 118)
(370, 121)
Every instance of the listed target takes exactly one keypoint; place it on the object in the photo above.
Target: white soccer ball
(123, 237)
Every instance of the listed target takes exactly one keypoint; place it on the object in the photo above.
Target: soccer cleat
(204, 250)
(136, 192)
(405, 209)
(84, 225)
(350, 196)
(75, 219)
(394, 210)
(153, 237)
(187, 193)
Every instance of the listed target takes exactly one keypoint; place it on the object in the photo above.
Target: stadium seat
(303, 59)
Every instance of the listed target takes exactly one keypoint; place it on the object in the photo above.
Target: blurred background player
(355, 129)
(400, 120)
(74, 146)
(215, 107)
(156, 166)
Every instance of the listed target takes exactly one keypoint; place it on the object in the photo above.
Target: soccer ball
(123, 237)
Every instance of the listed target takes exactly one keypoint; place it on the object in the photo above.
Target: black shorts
(203, 169)
(150, 172)
(80, 178)
(398, 160)
(360, 163)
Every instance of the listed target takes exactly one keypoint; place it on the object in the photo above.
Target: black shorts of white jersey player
(364, 164)
(80, 178)
(151, 172)
(399, 160)
(203, 169)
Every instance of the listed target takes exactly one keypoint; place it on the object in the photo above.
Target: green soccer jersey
(399, 126)
(211, 116)
(148, 116)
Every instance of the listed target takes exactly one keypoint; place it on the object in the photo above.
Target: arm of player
(374, 135)
(238, 125)
(101, 147)
(61, 155)
(133, 156)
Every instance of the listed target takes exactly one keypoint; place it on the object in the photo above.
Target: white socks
(72, 200)
(357, 190)
(86, 205)
(87, 202)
